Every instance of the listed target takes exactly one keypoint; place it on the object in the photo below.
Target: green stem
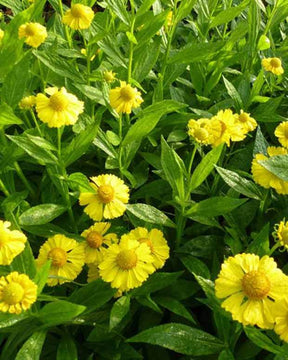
(3, 188)
(59, 137)
(68, 37)
(120, 127)
(190, 169)
(35, 122)
(274, 247)
(131, 50)
(41, 75)
(180, 223)
(23, 178)
(88, 58)
(28, 123)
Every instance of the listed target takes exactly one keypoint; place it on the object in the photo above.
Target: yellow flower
(280, 312)
(12, 243)
(96, 240)
(127, 264)
(67, 258)
(109, 76)
(84, 52)
(249, 286)
(61, 108)
(281, 233)
(34, 34)
(200, 130)
(107, 198)
(281, 132)
(273, 65)
(246, 122)
(169, 19)
(1, 34)
(264, 177)
(27, 102)
(78, 17)
(17, 293)
(156, 242)
(93, 272)
(125, 98)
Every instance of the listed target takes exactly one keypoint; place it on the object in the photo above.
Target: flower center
(12, 293)
(201, 134)
(106, 193)
(127, 93)
(243, 117)
(58, 257)
(255, 285)
(94, 239)
(284, 235)
(77, 10)
(58, 102)
(126, 259)
(30, 30)
(275, 62)
(147, 242)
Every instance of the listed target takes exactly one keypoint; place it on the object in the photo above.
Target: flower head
(264, 177)
(12, 243)
(67, 258)
(246, 122)
(109, 76)
(93, 272)
(127, 264)
(249, 285)
(34, 34)
(27, 102)
(78, 17)
(17, 293)
(107, 198)
(273, 65)
(155, 241)
(200, 130)
(96, 239)
(61, 108)
(280, 312)
(281, 132)
(124, 98)
(281, 233)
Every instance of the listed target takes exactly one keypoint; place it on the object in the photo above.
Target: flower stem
(3, 188)
(59, 137)
(131, 47)
(23, 178)
(68, 37)
(35, 122)
(274, 247)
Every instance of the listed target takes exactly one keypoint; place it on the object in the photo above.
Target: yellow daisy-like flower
(96, 238)
(34, 34)
(169, 19)
(249, 285)
(93, 272)
(273, 65)
(200, 130)
(107, 198)
(67, 258)
(127, 264)
(280, 312)
(27, 102)
(124, 98)
(61, 108)
(281, 233)
(78, 17)
(263, 176)
(109, 76)
(1, 34)
(12, 243)
(17, 293)
(156, 242)
(281, 132)
(246, 122)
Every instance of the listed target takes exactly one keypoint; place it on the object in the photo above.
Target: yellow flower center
(127, 93)
(126, 259)
(243, 117)
(255, 285)
(58, 257)
(58, 101)
(201, 134)
(77, 10)
(106, 193)
(284, 236)
(147, 242)
(275, 62)
(30, 30)
(94, 239)
(12, 293)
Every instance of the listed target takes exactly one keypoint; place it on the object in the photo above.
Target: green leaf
(215, 206)
(174, 306)
(261, 144)
(240, 184)
(174, 168)
(7, 116)
(233, 93)
(67, 349)
(228, 14)
(119, 310)
(181, 339)
(32, 347)
(205, 167)
(151, 27)
(260, 243)
(41, 214)
(41, 276)
(195, 266)
(277, 165)
(202, 246)
(184, 9)
(118, 7)
(93, 295)
(150, 214)
(59, 312)
(78, 181)
(24, 263)
(258, 338)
